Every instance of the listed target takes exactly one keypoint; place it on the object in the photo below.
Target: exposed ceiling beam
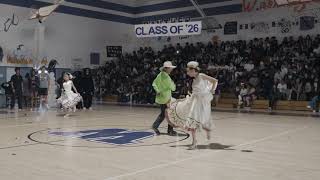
(200, 11)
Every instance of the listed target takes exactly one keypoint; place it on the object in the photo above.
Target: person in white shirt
(282, 87)
(249, 66)
(284, 71)
(277, 76)
(242, 94)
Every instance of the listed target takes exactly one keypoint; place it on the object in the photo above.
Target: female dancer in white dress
(68, 98)
(194, 111)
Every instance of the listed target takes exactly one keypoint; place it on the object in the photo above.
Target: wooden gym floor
(116, 142)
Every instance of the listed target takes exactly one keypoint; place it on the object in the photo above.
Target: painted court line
(206, 154)
(34, 123)
(110, 114)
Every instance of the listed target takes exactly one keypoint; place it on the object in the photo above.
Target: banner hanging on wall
(168, 29)
(114, 51)
(231, 28)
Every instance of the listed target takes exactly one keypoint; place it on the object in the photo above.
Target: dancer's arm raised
(214, 81)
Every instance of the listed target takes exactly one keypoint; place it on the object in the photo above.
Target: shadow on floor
(212, 146)
(215, 146)
(178, 135)
(62, 115)
(247, 151)
(6, 112)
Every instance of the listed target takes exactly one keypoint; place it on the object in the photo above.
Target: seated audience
(291, 65)
(251, 96)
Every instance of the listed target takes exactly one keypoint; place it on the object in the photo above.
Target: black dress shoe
(172, 133)
(156, 131)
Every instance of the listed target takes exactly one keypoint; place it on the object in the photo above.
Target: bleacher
(228, 101)
(112, 99)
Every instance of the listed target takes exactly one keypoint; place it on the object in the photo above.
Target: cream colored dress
(194, 111)
(69, 99)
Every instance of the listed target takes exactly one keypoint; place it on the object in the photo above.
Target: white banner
(168, 29)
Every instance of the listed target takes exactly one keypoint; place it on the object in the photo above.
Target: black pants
(161, 117)
(87, 100)
(308, 96)
(17, 95)
(79, 105)
(317, 104)
(272, 101)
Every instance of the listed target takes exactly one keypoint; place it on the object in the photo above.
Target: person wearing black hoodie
(60, 84)
(16, 85)
(77, 83)
(87, 88)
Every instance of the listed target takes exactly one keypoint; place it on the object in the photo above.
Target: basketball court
(116, 142)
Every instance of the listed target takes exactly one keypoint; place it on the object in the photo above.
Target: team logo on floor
(108, 136)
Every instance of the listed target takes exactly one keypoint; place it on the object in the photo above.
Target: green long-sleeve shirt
(163, 85)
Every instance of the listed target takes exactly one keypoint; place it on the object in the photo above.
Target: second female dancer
(194, 112)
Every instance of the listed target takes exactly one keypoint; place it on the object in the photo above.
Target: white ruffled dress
(68, 98)
(194, 111)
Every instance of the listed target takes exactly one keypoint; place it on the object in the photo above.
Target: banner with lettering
(114, 51)
(168, 29)
(231, 28)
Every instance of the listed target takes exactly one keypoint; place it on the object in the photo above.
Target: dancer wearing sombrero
(194, 112)
(163, 85)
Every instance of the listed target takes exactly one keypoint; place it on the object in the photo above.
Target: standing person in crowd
(60, 85)
(16, 84)
(26, 90)
(267, 86)
(274, 96)
(87, 88)
(44, 84)
(77, 78)
(164, 85)
(34, 82)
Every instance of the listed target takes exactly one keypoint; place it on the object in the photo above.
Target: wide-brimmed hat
(193, 65)
(167, 64)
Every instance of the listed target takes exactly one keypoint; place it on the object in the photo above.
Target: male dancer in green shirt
(163, 85)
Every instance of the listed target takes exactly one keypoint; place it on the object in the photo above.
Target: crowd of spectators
(268, 68)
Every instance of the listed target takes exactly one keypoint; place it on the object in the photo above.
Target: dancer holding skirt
(194, 112)
(68, 98)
